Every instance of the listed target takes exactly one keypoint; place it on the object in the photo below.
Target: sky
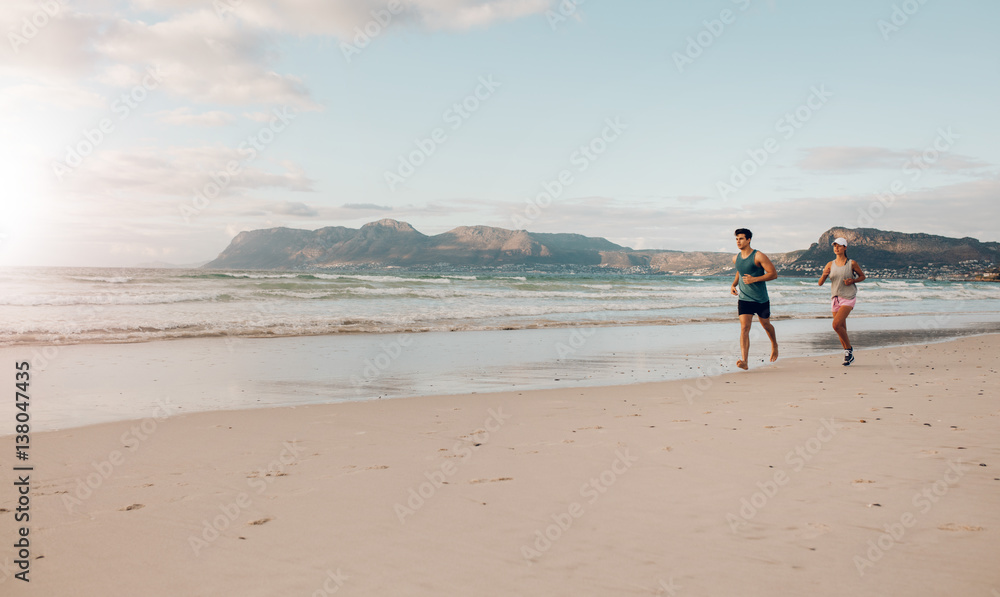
(156, 130)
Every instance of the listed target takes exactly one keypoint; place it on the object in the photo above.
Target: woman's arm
(826, 273)
(858, 274)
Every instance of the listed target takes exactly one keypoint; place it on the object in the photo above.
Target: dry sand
(802, 478)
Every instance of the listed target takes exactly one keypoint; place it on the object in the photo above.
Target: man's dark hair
(744, 232)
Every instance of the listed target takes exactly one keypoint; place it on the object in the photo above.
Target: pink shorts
(837, 302)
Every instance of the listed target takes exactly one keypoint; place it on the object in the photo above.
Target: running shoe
(848, 357)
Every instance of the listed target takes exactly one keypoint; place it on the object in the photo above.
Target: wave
(109, 299)
(107, 280)
(356, 325)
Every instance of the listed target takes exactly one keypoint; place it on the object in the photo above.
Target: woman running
(844, 274)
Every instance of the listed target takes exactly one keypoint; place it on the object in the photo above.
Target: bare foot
(741, 364)
(774, 353)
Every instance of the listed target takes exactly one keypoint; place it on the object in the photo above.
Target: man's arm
(736, 281)
(769, 271)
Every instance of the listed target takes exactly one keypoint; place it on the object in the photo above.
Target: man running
(753, 269)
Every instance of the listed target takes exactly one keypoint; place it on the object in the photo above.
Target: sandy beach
(801, 478)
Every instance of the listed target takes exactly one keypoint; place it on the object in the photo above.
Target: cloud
(184, 117)
(202, 57)
(206, 59)
(850, 159)
(779, 226)
(447, 14)
(259, 116)
(210, 52)
(366, 206)
(288, 208)
(856, 159)
(178, 172)
(46, 38)
(60, 95)
(322, 17)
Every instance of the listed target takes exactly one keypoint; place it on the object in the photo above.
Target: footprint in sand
(498, 479)
(815, 529)
(960, 527)
(132, 507)
(259, 521)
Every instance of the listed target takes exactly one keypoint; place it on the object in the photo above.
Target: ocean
(76, 305)
(120, 344)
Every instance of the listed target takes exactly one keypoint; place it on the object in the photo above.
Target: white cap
(840, 240)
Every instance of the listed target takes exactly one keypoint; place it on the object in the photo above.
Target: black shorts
(761, 310)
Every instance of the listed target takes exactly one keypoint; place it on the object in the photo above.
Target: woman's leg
(840, 326)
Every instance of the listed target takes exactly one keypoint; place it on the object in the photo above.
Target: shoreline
(513, 326)
(33, 344)
(87, 384)
(785, 476)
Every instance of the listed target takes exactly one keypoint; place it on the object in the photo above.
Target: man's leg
(745, 322)
(765, 322)
(840, 326)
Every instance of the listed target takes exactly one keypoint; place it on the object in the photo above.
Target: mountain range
(391, 243)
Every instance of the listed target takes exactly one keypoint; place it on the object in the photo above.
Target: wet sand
(96, 383)
(803, 477)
